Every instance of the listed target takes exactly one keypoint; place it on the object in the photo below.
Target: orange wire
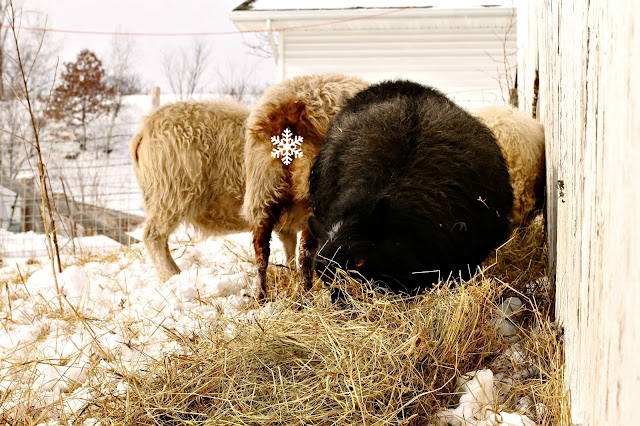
(295, 27)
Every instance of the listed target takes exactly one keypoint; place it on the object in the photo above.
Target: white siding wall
(589, 63)
(464, 60)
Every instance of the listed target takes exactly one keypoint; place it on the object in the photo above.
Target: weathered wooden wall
(588, 57)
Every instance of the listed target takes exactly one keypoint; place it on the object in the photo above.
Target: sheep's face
(364, 245)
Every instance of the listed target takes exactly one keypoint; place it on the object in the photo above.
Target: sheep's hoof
(306, 279)
(261, 295)
(261, 289)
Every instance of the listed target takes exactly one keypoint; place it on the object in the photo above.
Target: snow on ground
(28, 245)
(115, 312)
(476, 405)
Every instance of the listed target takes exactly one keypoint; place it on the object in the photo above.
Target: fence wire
(93, 191)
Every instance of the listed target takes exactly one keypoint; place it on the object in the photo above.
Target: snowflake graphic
(286, 148)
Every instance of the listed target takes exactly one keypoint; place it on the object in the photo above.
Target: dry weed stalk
(28, 405)
(48, 220)
(504, 70)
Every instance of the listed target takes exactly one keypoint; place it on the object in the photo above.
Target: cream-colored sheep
(521, 139)
(188, 158)
(276, 195)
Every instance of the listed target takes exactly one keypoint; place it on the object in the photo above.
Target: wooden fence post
(155, 97)
(31, 212)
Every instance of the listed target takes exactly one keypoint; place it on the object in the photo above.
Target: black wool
(408, 188)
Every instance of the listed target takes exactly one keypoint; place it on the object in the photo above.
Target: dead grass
(523, 256)
(379, 359)
(544, 347)
(522, 265)
(382, 360)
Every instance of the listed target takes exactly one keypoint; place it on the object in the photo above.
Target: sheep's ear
(315, 226)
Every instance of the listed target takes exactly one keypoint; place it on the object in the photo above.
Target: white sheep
(188, 158)
(521, 139)
(277, 193)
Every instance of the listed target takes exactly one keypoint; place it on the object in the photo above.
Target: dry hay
(521, 264)
(379, 359)
(523, 259)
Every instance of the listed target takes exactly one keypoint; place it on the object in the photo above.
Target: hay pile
(379, 359)
(522, 265)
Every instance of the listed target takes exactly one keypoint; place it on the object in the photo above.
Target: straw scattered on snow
(378, 359)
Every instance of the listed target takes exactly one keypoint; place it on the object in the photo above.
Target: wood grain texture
(589, 62)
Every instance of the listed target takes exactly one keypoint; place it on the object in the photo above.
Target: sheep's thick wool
(408, 188)
(276, 195)
(188, 158)
(521, 139)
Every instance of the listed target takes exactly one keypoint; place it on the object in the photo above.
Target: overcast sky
(228, 54)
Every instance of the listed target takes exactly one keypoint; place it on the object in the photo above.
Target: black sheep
(407, 184)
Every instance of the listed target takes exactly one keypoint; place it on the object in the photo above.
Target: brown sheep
(188, 159)
(276, 195)
(521, 139)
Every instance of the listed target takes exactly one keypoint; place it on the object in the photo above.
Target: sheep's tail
(133, 147)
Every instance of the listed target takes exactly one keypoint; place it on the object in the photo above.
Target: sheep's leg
(289, 241)
(156, 240)
(261, 245)
(308, 249)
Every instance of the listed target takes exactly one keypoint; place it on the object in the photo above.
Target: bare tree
(185, 69)
(119, 66)
(238, 82)
(120, 78)
(34, 64)
(505, 70)
(118, 69)
(260, 44)
(32, 45)
(24, 93)
(14, 154)
(4, 32)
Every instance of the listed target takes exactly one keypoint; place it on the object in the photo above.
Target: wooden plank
(589, 60)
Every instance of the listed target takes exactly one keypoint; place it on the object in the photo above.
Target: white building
(466, 48)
